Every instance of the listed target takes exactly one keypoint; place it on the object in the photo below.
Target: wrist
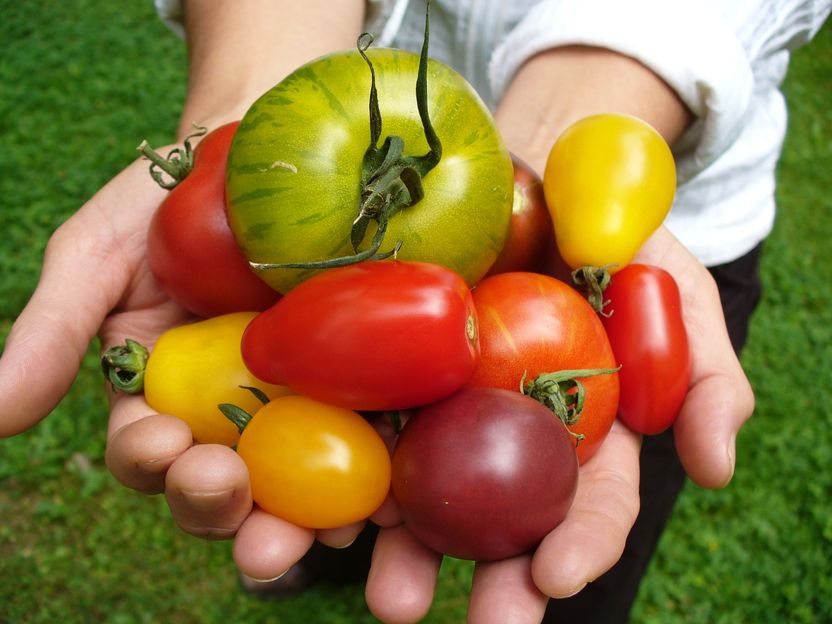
(559, 86)
(212, 115)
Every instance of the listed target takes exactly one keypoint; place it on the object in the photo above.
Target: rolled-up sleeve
(687, 44)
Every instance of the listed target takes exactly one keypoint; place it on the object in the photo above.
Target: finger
(388, 514)
(340, 537)
(266, 546)
(86, 269)
(140, 452)
(402, 577)
(720, 399)
(208, 491)
(503, 592)
(592, 536)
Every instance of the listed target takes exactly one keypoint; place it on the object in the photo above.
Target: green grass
(82, 82)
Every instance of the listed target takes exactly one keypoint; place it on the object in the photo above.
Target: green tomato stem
(390, 181)
(594, 281)
(235, 414)
(554, 391)
(124, 366)
(177, 164)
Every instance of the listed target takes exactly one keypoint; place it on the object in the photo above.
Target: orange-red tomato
(532, 324)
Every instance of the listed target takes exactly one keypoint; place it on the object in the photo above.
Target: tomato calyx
(177, 164)
(124, 366)
(554, 390)
(237, 414)
(593, 281)
(390, 180)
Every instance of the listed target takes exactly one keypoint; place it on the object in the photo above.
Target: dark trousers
(609, 599)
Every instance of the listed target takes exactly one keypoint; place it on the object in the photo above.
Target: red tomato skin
(379, 335)
(532, 324)
(647, 333)
(484, 474)
(191, 249)
(531, 237)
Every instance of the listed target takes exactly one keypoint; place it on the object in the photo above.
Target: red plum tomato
(648, 336)
(378, 335)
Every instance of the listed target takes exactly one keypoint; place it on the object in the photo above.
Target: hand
(587, 543)
(95, 279)
(720, 398)
(592, 537)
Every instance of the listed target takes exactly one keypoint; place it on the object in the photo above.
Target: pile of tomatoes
(501, 378)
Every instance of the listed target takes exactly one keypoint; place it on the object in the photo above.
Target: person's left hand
(585, 545)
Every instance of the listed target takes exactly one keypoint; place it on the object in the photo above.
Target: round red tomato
(191, 250)
(484, 474)
(530, 235)
(379, 335)
(532, 324)
(648, 336)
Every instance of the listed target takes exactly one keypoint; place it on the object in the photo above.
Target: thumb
(85, 273)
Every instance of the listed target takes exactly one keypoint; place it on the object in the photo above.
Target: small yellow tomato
(313, 464)
(193, 368)
(609, 183)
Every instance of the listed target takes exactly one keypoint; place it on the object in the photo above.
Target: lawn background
(81, 82)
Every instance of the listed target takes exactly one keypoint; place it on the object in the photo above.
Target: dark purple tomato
(484, 474)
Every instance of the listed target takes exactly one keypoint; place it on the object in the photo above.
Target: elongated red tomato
(191, 250)
(372, 336)
(532, 324)
(649, 340)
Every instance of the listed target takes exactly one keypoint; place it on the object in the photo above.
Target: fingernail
(347, 545)
(731, 452)
(207, 501)
(577, 591)
(268, 580)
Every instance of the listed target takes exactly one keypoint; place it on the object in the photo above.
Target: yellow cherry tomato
(609, 183)
(314, 465)
(193, 368)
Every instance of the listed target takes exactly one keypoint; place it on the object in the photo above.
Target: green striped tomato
(295, 167)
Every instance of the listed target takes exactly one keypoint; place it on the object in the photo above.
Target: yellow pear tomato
(190, 371)
(609, 183)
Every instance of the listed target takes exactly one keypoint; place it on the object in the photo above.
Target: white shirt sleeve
(704, 49)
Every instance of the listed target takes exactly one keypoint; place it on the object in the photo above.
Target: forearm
(561, 85)
(238, 50)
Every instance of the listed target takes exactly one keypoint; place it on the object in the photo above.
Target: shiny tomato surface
(377, 335)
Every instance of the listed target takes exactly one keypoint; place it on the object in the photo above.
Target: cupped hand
(95, 281)
(592, 537)
(586, 544)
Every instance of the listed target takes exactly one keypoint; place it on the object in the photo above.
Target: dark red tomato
(648, 336)
(484, 474)
(191, 250)
(532, 324)
(379, 335)
(530, 234)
